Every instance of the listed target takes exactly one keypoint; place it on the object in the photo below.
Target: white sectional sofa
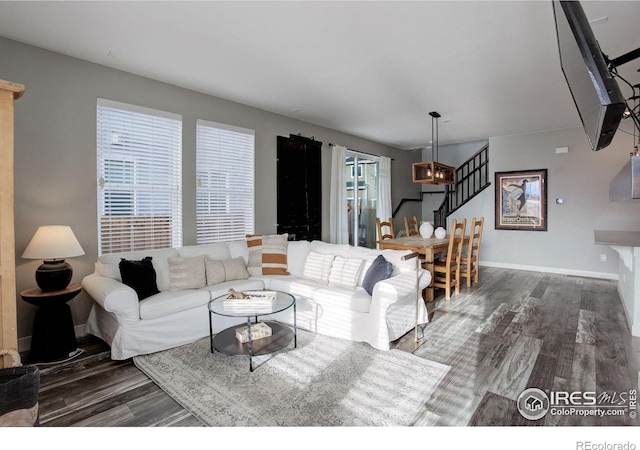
(175, 317)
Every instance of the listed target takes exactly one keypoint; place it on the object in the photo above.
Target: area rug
(324, 382)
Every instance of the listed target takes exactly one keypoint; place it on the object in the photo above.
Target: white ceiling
(371, 69)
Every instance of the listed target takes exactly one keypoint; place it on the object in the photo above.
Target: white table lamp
(52, 244)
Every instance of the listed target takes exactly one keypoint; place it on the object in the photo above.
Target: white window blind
(225, 182)
(139, 166)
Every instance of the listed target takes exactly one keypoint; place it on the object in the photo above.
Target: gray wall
(581, 177)
(55, 160)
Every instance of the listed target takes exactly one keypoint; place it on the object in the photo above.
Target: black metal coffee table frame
(227, 343)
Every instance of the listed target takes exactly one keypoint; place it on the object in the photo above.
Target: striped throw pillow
(318, 266)
(267, 254)
(254, 263)
(345, 272)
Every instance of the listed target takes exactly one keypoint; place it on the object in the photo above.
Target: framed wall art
(521, 200)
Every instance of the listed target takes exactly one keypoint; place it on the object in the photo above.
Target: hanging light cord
(433, 143)
(434, 135)
(437, 141)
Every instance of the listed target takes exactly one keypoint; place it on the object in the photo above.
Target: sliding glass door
(362, 198)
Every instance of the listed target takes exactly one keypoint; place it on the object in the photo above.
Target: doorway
(299, 188)
(362, 198)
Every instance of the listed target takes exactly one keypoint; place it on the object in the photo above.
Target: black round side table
(53, 337)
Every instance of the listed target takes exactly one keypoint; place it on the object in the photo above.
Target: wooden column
(9, 92)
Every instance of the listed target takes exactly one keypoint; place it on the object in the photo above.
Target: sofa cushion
(140, 276)
(317, 267)
(267, 254)
(171, 302)
(330, 249)
(225, 270)
(343, 298)
(109, 264)
(345, 272)
(186, 273)
(297, 252)
(379, 270)
(218, 250)
(239, 248)
(296, 286)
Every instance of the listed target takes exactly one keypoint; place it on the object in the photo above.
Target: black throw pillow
(140, 276)
(379, 270)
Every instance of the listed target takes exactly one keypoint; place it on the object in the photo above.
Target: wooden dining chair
(446, 274)
(382, 236)
(411, 227)
(469, 261)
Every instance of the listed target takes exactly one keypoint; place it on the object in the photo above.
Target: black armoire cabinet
(299, 187)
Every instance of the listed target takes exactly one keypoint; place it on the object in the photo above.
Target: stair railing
(472, 177)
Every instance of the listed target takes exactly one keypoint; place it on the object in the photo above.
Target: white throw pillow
(317, 267)
(345, 272)
(214, 269)
(186, 273)
(225, 270)
(235, 269)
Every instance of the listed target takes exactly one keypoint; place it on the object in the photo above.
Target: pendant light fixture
(433, 172)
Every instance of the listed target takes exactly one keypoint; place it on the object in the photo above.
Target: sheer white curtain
(338, 218)
(384, 185)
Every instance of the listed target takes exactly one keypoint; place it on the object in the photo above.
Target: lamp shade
(53, 242)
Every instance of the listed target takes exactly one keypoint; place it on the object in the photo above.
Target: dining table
(428, 248)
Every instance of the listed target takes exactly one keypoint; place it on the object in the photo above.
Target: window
(139, 178)
(359, 171)
(224, 182)
(118, 202)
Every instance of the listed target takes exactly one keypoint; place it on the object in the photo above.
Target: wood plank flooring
(519, 329)
(513, 330)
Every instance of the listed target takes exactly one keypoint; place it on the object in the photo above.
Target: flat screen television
(595, 92)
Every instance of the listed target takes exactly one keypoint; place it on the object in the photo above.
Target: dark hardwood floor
(514, 330)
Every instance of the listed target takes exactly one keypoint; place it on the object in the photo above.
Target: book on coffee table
(259, 330)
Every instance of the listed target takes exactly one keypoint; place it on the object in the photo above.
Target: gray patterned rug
(324, 382)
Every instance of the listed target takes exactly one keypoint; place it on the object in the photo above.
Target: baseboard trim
(558, 270)
(24, 344)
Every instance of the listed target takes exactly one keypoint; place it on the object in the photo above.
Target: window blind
(225, 182)
(139, 178)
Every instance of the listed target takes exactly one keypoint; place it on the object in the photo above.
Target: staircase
(472, 177)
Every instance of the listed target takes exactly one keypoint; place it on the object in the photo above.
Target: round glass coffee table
(281, 335)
